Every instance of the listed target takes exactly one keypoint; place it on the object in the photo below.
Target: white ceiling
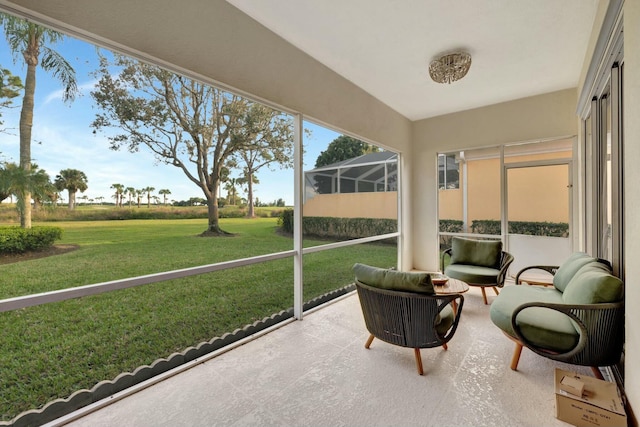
(519, 48)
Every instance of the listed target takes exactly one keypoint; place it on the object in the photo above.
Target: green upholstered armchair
(580, 320)
(480, 263)
(402, 309)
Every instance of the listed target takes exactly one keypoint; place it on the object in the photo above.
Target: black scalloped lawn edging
(328, 297)
(79, 399)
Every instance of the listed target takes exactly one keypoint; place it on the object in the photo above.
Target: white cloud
(83, 90)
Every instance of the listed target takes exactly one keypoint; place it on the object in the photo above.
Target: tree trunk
(251, 210)
(213, 228)
(26, 123)
(72, 200)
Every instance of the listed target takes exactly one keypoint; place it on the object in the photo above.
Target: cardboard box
(572, 385)
(600, 404)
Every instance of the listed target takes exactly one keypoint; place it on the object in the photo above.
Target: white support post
(297, 218)
(504, 217)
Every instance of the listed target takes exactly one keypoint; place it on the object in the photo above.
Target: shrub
(530, 228)
(285, 221)
(231, 211)
(338, 228)
(486, 226)
(449, 226)
(19, 240)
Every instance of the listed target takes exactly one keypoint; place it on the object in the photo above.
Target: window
(448, 172)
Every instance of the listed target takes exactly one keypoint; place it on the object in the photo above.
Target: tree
(344, 148)
(148, 191)
(29, 42)
(19, 181)
(72, 180)
(10, 87)
(247, 180)
(118, 193)
(232, 191)
(130, 192)
(189, 125)
(268, 137)
(164, 193)
(139, 194)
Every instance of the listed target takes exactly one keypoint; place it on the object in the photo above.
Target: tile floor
(316, 372)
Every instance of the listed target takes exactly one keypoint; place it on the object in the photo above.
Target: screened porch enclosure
(519, 193)
(369, 173)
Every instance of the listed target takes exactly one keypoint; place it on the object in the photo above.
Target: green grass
(50, 351)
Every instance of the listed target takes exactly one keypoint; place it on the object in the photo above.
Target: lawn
(53, 350)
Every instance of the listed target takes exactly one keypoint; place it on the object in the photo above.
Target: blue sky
(62, 138)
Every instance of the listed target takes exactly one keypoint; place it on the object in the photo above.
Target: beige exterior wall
(450, 204)
(536, 194)
(353, 205)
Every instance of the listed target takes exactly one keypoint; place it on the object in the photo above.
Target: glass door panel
(538, 215)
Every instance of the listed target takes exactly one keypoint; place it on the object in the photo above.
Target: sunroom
(280, 53)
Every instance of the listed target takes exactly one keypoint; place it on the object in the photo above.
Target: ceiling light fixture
(449, 68)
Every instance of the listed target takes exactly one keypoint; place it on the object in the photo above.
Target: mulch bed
(53, 250)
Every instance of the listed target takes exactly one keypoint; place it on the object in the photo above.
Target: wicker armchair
(579, 320)
(599, 327)
(408, 319)
(480, 263)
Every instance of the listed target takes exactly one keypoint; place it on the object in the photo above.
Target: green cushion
(472, 274)
(569, 268)
(484, 253)
(444, 320)
(593, 284)
(545, 328)
(394, 280)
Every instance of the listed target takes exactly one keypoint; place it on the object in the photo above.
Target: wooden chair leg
(597, 373)
(445, 346)
(369, 341)
(454, 305)
(496, 290)
(484, 295)
(516, 356)
(416, 352)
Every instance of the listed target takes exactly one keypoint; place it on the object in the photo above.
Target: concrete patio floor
(316, 372)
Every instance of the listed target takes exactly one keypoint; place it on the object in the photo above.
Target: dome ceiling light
(449, 68)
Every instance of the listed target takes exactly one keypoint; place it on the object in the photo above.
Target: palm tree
(130, 192)
(164, 192)
(139, 194)
(19, 181)
(230, 186)
(29, 42)
(148, 190)
(118, 194)
(73, 181)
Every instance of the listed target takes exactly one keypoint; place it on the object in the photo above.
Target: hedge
(353, 228)
(338, 228)
(530, 228)
(15, 240)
